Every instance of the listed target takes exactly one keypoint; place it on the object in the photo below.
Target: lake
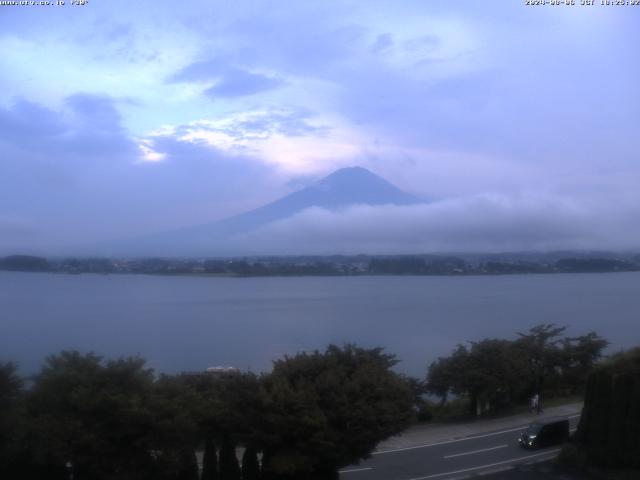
(190, 323)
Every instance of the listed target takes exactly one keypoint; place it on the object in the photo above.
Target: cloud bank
(74, 176)
(482, 223)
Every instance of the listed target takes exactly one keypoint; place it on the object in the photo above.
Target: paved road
(450, 459)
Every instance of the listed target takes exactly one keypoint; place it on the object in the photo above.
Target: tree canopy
(103, 419)
(314, 413)
(609, 428)
(331, 408)
(494, 373)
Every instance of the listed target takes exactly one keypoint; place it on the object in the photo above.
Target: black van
(543, 433)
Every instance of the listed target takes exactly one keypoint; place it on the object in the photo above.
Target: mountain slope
(341, 189)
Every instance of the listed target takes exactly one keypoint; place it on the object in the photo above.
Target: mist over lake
(190, 323)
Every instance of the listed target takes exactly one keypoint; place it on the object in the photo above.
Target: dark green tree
(174, 433)
(541, 347)
(209, 460)
(24, 263)
(250, 465)
(92, 415)
(10, 387)
(495, 373)
(229, 467)
(12, 451)
(330, 409)
(581, 355)
(188, 469)
(489, 374)
(225, 404)
(609, 428)
(446, 374)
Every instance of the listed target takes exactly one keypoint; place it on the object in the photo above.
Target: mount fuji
(341, 189)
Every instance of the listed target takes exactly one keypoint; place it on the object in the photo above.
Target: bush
(424, 414)
(609, 428)
(572, 456)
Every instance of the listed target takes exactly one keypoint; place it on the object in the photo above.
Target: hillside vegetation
(609, 430)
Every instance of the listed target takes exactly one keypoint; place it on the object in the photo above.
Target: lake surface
(190, 323)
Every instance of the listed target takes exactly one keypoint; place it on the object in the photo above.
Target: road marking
(475, 451)
(449, 441)
(414, 447)
(352, 470)
(486, 466)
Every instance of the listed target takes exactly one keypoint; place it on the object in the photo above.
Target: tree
(227, 410)
(397, 266)
(494, 373)
(541, 347)
(11, 451)
(581, 355)
(250, 465)
(10, 387)
(188, 465)
(609, 428)
(209, 461)
(225, 404)
(229, 467)
(93, 415)
(489, 374)
(420, 406)
(174, 434)
(446, 374)
(24, 263)
(327, 410)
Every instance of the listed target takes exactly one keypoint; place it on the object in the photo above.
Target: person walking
(535, 403)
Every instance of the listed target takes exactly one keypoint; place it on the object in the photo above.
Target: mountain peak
(343, 188)
(354, 170)
(357, 185)
(350, 174)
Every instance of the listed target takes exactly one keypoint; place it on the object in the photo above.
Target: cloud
(261, 123)
(88, 126)
(292, 140)
(201, 71)
(482, 223)
(238, 83)
(382, 43)
(74, 176)
(23, 120)
(15, 228)
(228, 80)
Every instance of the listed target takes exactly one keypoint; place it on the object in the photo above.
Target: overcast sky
(120, 118)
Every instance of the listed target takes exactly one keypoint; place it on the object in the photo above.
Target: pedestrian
(538, 405)
(535, 403)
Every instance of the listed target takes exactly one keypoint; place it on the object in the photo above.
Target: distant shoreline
(330, 266)
(327, 275)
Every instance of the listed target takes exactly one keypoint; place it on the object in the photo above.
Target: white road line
(475, 451)
(352, 470)
(425, 445)
(449, 441)
(486, 466)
